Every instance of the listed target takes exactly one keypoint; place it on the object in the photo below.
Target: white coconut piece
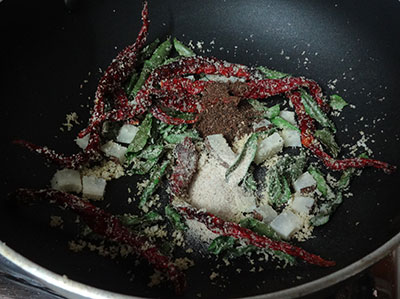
(267, 212)
(268, 147)
(83, 142)
(302, 204)
(93, 187)
(67, 180)
(126, 133)
(221, 149)
(115, 150)
(288, 116)
(286, 224)
(291, 138)
(304, 181)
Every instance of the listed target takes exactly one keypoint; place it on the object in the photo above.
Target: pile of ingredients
(244, 169)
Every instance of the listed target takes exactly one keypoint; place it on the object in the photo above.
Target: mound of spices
(224, 113)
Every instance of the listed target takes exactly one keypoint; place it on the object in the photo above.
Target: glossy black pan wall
(50, 66)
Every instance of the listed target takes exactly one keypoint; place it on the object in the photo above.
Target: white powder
(306, 231)
(210, 191)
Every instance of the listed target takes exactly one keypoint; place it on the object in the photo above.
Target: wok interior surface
(48, 52)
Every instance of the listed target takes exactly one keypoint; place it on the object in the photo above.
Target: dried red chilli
(347, 163)
(110, 227)
(51, 155)
(307, 139)
(121, 99)
(203, 65)
(186, 105)
(184, 86)
(117, 72)
(225, 228)
(306, 122)
(270, 87)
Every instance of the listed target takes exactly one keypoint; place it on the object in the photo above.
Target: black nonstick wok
(50, 67)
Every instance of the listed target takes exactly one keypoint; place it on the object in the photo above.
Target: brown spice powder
(224, 113)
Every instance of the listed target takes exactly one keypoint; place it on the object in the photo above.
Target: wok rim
(65, 286)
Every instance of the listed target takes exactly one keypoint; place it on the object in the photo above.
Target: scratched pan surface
(47, 53)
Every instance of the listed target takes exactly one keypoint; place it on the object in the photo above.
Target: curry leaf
(337, 102)
(140, 139)
(328, 139)
(174, 217)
